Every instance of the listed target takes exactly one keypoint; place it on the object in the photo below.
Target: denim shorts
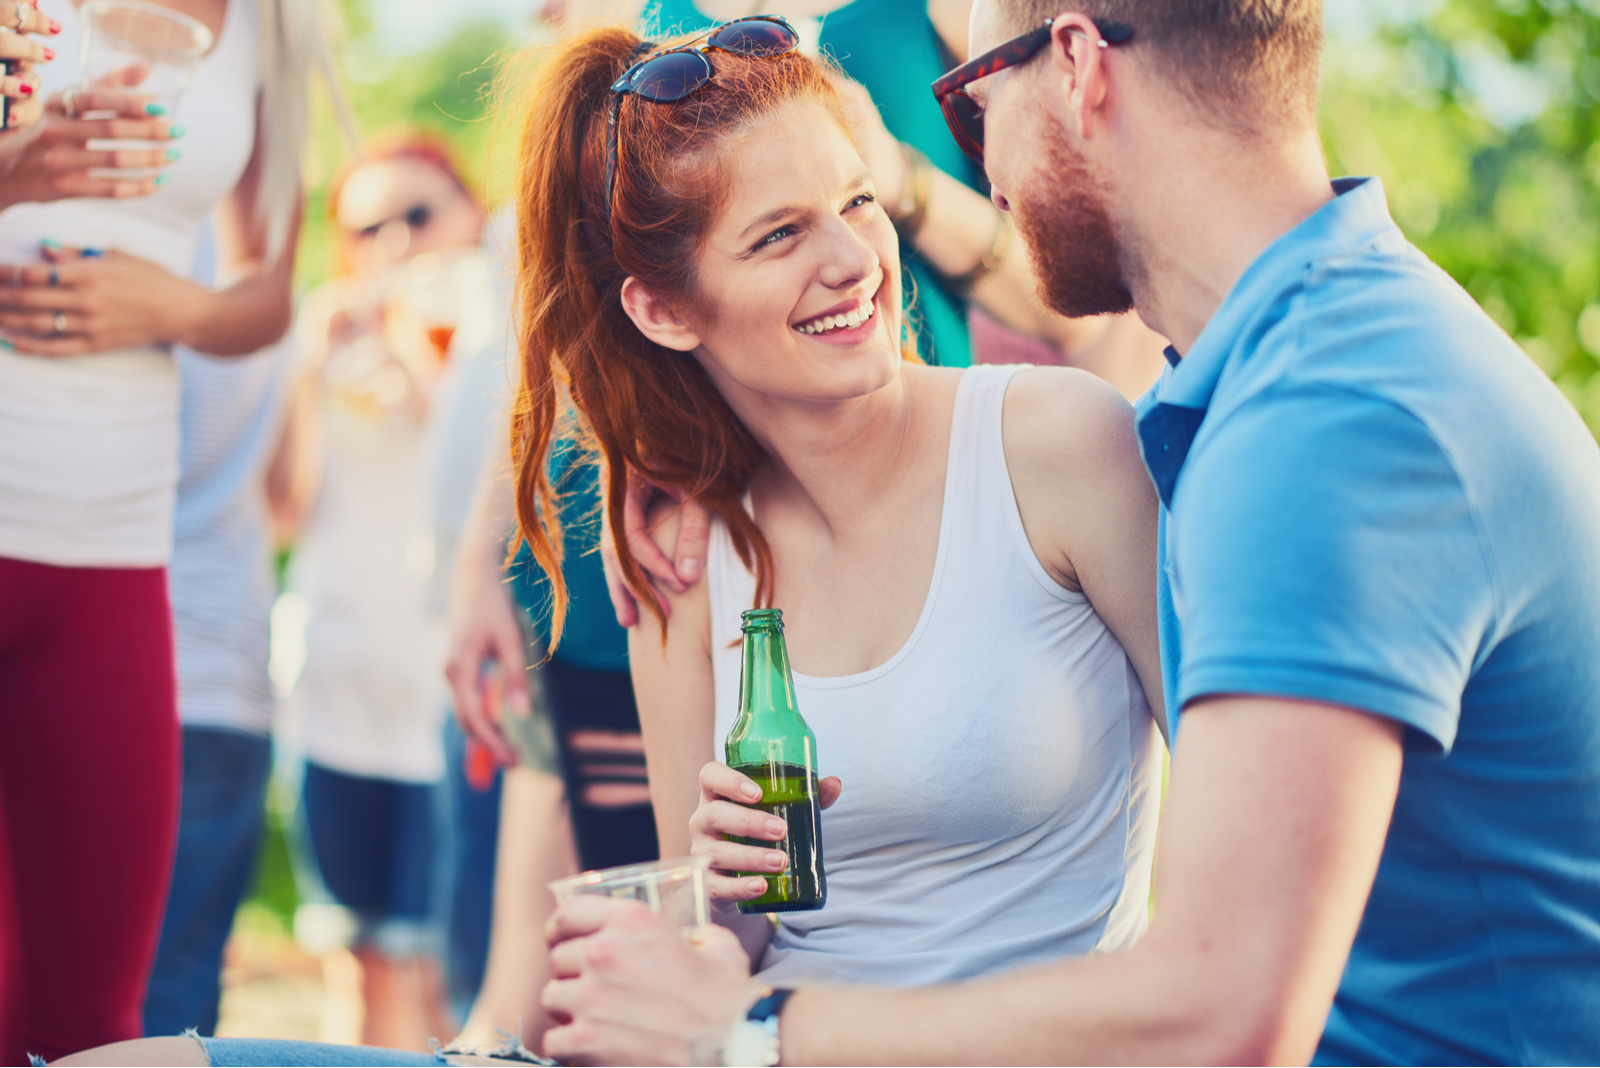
(370, 842)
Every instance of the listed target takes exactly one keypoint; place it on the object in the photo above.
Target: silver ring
(69, 103)
(22, 16)
(61, 323)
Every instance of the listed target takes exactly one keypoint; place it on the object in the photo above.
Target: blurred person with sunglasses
(376, 346)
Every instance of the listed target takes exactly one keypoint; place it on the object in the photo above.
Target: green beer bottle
(771, 744)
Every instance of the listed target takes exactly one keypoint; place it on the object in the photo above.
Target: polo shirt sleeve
(1323, 547)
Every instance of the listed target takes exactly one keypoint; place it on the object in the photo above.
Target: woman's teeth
(848, 321)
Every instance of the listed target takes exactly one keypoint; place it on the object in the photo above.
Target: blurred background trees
(1480, 117)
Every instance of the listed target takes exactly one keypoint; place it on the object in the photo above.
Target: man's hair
(1246, 64)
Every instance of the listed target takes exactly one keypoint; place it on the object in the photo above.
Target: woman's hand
(52, 160)
(84, 301)
(21, 85)
(725, 795)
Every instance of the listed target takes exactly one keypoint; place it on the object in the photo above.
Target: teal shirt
(591, 638)
(891, 48)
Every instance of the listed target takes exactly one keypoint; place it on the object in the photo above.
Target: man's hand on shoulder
(672, 554)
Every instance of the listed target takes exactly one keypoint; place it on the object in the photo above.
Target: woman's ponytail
(642, 406)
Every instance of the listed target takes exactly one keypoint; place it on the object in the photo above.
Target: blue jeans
(472, 826)
(219, 831)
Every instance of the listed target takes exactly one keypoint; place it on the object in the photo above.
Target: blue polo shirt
(1373, 498)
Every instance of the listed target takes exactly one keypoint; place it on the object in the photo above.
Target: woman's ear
(655, 318)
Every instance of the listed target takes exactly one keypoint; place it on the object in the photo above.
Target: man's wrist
(753, 1040)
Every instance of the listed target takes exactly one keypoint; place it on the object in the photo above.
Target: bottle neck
(766, 685)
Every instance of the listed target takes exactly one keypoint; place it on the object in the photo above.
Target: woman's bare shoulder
(1056, 415)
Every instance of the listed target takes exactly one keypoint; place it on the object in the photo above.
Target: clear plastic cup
(674, 889)
(141, 48)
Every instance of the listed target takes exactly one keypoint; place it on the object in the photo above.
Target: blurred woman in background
(96, 249)
(367, 708)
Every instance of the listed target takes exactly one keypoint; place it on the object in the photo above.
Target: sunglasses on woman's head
(963, 114)
(668, 77)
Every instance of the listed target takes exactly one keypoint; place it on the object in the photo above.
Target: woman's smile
(848, 323)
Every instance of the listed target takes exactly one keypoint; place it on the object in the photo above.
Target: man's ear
(1077, 71)
(655, 318)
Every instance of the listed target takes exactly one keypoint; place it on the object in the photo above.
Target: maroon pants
(89, 750)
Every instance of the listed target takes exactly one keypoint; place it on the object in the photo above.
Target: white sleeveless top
(1001, 771)
(89, 444)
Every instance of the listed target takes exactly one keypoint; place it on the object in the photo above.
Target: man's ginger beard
(1062, 216)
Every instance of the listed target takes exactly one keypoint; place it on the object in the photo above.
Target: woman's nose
(848, 256)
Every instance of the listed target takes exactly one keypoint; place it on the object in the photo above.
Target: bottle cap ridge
(761, 619)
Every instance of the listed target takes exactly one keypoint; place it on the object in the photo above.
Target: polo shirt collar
(1171, 413)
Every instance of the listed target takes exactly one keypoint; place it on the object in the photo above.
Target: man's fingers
(584, 914)
(645, 552)
(828, 790)
(694, 535)
(622, 602)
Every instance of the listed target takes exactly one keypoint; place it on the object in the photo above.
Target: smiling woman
(669, 182)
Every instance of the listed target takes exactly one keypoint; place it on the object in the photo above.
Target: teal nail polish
(174, 154)
(161, 179)
(155, 109)
(5, 343)
(175, 131)
(50, 243)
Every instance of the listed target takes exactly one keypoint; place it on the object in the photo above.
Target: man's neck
(1201, 209)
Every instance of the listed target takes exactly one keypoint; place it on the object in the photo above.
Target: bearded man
(1381, 602)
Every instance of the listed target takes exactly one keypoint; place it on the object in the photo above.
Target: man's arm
(1275, 822)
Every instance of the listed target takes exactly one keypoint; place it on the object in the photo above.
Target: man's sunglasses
(670, 76)
(963, 113)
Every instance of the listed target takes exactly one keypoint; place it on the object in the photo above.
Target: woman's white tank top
(89, 444)
(1001, 771)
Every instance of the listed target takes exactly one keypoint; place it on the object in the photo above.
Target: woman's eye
(856, 202)
(773, 238)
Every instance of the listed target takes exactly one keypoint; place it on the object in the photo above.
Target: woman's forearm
(244, 318)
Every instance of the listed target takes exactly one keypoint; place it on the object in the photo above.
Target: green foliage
(274, 892)
(1480, 117)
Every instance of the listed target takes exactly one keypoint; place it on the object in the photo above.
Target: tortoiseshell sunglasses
(667, 77)
(962, 112)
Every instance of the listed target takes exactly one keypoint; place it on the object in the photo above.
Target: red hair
(642, 406)
(402, 143)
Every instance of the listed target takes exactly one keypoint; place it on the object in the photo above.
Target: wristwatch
(753, 1041)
